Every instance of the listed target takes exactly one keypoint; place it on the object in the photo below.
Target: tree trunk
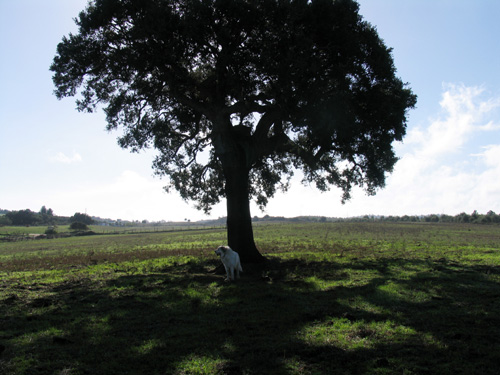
(232, 147)
(239, 220)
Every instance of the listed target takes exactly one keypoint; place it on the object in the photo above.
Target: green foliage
(259, 86)
(27, 217)
(23, 217)
(81, 218)
(4, 220)
(76, 225)
(363, 298)
(46, 215)
(51, 231)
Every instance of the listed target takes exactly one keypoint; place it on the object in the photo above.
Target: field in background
(346, 298)
(102, 229)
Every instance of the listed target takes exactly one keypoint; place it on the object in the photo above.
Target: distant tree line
(44, 217)
(473, 218)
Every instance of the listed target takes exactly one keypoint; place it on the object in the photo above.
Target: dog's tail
(239, 267)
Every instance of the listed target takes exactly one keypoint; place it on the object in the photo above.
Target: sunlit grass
(365, 299)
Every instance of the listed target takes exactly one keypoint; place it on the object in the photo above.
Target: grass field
(99, 229)
(333, 298)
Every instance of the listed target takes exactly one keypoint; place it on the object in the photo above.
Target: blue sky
(447, 50)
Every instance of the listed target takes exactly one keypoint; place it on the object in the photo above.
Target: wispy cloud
(441, 170)
(449, 164)
(464, 111)
(60, 157)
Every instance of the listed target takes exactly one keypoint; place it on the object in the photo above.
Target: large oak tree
(237, 94)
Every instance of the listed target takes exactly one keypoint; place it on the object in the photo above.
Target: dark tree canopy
(81, 218)
(237, 94)
(23, 217)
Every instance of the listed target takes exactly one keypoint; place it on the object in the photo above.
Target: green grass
(370, 298)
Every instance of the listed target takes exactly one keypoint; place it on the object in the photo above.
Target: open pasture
(333, 298)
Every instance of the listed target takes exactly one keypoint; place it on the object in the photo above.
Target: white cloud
(490, 156)
(443, 168)
(439, 172)
(463, 113)
(130, 196)
(64, 159)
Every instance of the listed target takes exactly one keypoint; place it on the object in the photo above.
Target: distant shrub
(78, 226)
(4, 220)
(51, 231)
(81, 218)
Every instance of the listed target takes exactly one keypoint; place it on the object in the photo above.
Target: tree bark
(239, 220)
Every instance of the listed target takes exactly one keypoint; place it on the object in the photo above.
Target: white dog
(231, 261)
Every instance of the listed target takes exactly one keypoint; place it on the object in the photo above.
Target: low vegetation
(342, 298)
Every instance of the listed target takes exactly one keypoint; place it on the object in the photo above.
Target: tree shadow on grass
(391, 316)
